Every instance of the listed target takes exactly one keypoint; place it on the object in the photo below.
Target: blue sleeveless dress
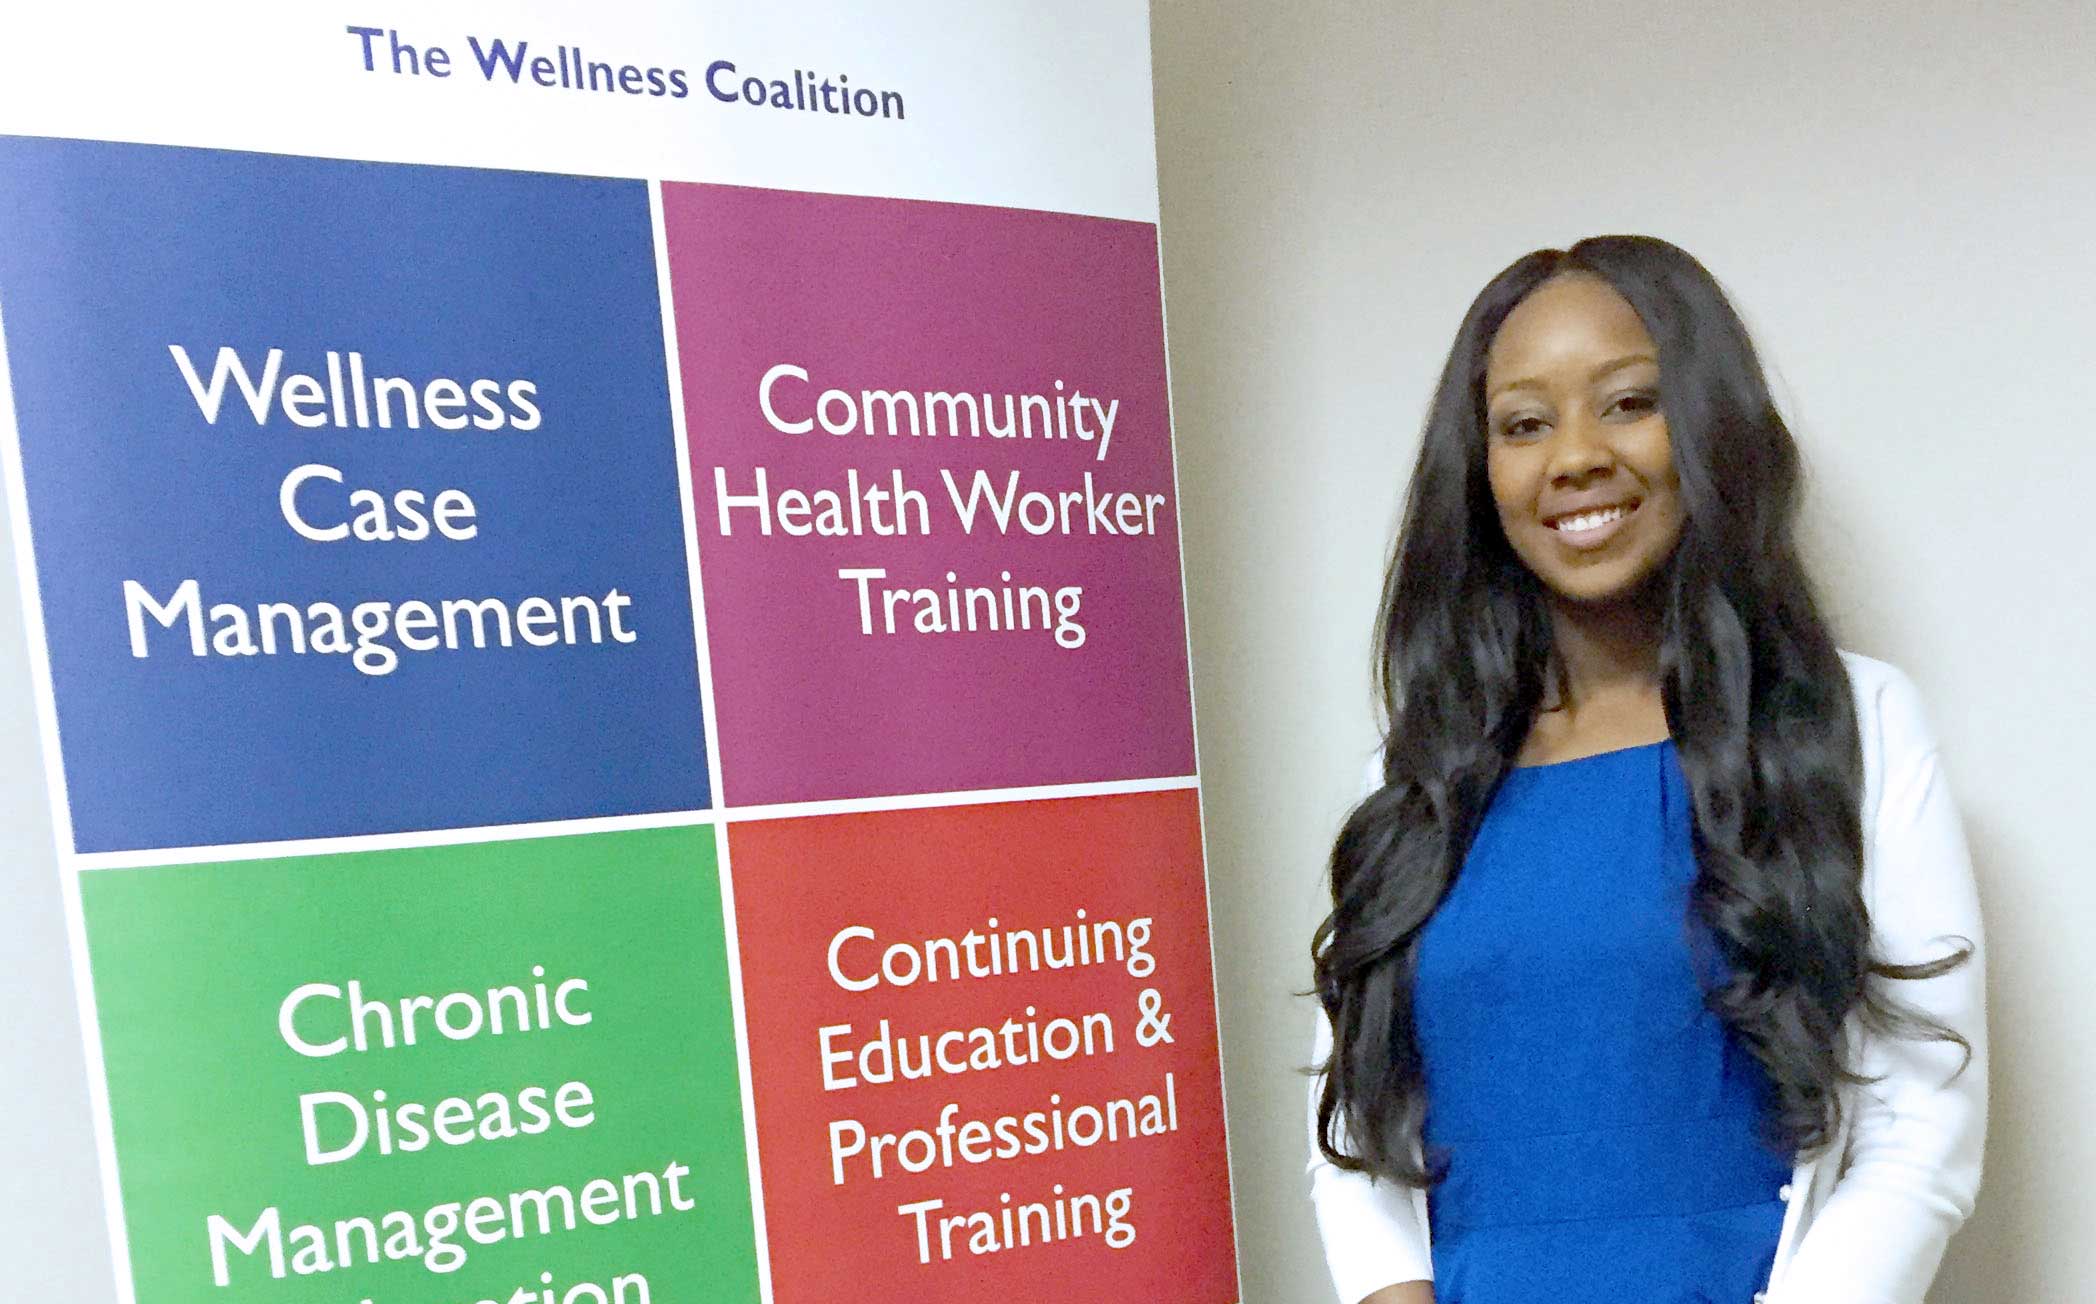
(1599, 1126)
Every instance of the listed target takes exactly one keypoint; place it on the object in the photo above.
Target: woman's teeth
(1589, 520)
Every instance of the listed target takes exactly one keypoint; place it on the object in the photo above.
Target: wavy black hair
(1756, 699)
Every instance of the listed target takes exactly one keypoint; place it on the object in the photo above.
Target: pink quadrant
(932, 478)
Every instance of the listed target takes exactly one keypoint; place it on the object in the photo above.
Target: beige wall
(1900, 199)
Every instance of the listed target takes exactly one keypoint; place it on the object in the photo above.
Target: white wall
(1899, 198)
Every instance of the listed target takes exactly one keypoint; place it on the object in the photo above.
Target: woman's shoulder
(1874, 682)
(1891, 721)
(1890, 718)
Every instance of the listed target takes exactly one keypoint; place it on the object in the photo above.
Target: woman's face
(1576, 442)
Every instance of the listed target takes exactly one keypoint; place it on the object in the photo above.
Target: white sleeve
(1913, 1156)
(1374, 1232)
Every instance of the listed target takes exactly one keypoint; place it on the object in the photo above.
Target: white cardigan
(1866, 1223)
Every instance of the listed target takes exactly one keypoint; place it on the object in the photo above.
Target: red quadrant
(972, 674)
(906, 878)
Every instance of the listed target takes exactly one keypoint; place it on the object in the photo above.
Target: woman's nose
(1580, 449)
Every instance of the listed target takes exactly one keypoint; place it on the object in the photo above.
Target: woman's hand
(1405, 1292)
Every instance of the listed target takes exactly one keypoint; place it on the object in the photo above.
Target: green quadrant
(194, 966)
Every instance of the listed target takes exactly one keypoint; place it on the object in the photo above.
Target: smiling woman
(1650, 876)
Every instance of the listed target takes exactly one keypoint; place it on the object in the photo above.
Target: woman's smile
(1589, 528)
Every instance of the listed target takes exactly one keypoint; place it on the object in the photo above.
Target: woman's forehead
(1571, 323)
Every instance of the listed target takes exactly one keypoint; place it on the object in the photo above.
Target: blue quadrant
(544, 288)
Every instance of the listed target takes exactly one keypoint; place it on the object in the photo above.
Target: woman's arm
(1913, 1157)
(1374, 1239)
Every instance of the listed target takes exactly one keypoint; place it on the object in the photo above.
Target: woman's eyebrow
(1628, 359)
(1615, 364)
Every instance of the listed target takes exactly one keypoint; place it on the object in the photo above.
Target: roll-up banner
(604, 594)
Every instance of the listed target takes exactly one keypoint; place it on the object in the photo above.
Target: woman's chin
(1624, 582)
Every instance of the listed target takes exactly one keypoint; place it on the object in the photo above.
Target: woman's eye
(1521, 427)
(1636, 404)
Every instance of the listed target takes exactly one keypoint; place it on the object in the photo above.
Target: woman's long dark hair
(1756, 699)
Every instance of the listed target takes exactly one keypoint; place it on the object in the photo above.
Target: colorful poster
(605, 605)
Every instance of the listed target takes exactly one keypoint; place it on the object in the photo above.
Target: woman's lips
(1592, 527)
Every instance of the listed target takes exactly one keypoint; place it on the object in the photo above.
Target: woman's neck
(1605, 654)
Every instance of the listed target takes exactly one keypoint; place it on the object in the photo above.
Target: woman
(1654, 958)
